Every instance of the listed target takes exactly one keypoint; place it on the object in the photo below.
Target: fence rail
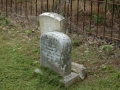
(97, 17)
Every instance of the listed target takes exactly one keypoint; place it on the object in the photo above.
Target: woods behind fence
(96, 17)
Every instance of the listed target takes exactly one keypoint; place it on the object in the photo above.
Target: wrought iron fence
(96, 17)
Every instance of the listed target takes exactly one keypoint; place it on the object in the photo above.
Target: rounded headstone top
(53, 15)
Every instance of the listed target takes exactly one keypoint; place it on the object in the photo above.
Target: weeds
(98, 19)
(4, 20)
(108, 49)
(107, 68)
(28, 32)
(76, 42)
(114, 8)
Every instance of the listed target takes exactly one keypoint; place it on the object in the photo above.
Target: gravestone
(55, 48)
(56, 52)
(50, 21)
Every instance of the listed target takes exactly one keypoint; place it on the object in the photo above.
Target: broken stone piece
(79, 69)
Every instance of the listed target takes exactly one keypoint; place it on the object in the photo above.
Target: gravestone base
(70, 79)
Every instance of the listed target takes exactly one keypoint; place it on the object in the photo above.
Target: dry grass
(29, 20)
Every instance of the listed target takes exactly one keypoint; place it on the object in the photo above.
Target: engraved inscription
(56, 52)
(50, 50)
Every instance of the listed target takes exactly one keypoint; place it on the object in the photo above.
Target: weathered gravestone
(50, 21)
(56, 52)
(55, 48)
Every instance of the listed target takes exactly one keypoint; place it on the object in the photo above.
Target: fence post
(6, 8)
(36, 8)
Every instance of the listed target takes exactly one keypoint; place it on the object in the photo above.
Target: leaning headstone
(50, 21)
(56, 52)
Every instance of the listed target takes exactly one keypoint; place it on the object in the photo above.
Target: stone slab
(55, 52)
(70, 79)
(79, 69)
(50, 21)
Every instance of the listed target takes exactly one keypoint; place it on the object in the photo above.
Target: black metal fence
(96, 17)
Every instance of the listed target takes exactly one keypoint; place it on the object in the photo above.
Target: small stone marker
(56, 52)
(50, 21)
